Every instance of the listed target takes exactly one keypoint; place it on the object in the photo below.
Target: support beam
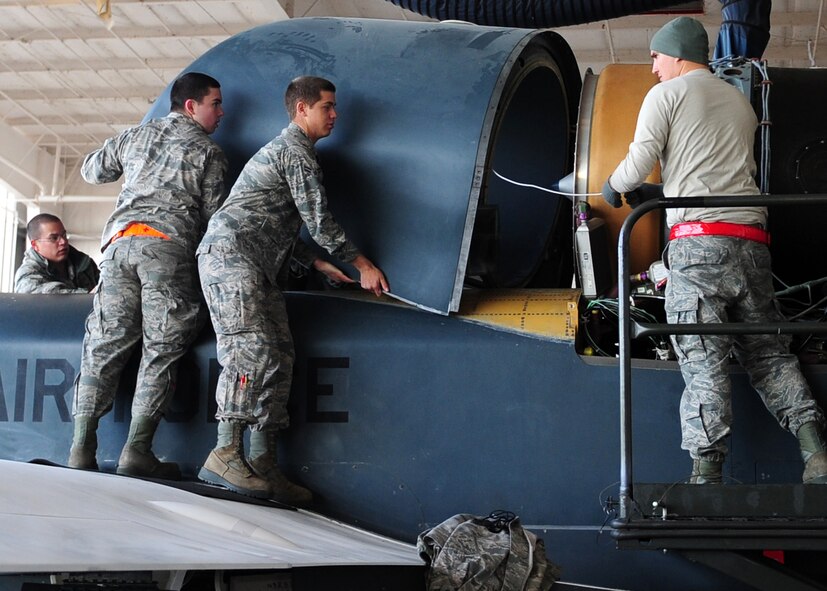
(713, 20)
(146, 93)
(25, 167)
(774, 55)
(58, 3)
(288, 7)
(216, 32)
(71, 67)
(56, 121)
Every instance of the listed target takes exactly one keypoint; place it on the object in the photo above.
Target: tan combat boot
(225, 466)
(265, 465)
(813, 452)
(137, 458)
(84, 444)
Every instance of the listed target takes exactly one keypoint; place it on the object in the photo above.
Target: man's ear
(35, 246)
(189, 106)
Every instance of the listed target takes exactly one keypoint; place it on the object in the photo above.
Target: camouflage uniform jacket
(173, 178)
(279, 188)
(38, 275)
(485, 554)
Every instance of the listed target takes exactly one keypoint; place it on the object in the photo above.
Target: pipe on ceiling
(27, 175)
(531, 14)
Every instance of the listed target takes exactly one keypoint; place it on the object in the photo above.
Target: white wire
(508, 180)
(765, 127)
(764, 172)
(764, 165)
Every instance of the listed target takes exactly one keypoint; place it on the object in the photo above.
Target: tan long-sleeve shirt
(703, 131)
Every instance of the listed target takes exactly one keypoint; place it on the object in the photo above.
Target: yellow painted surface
(544, 313)
(550, 313)
(618, 96)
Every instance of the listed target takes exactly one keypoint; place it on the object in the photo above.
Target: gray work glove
(611, 196)
(645, 192)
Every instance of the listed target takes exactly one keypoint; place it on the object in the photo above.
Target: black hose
(531, 14)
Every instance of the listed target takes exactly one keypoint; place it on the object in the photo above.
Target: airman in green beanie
(702, 131)
(683, 38)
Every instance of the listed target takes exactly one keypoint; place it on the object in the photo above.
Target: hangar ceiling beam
(285, 7)
(710, 19)
(71, 67)
(24, 166)
(773, 54)
(59, 120)
(207, 31)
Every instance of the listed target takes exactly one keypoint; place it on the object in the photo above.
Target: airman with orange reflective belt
(149, 292)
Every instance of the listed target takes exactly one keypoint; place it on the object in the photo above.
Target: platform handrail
(629, 329)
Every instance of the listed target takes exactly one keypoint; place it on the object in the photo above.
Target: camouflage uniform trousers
(148, 290)
(253, 341)
(721, 279)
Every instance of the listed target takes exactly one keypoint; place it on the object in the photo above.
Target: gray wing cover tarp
(82, 521)
(426, 110)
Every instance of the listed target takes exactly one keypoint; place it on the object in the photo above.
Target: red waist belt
(753, 233)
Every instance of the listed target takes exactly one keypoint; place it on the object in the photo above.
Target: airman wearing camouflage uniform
(242, 262)
(149, 292)
(703, 130)
(52, 265)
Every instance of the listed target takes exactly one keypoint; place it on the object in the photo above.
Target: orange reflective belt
(138, 229)
(753, 233)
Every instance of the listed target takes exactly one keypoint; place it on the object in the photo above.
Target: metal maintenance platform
(763, 535)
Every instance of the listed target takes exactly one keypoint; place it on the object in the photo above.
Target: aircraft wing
(57, 519)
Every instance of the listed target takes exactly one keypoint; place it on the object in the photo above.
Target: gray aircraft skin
(405, 412)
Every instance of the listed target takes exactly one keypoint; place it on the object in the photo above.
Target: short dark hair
(34, 225)
(192, 85)
(307, 89)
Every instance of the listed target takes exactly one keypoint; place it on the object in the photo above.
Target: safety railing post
(627, 331)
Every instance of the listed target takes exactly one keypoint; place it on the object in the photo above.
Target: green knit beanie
(682, 37)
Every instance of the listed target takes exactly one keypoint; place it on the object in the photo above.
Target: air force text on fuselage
(38, 390)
